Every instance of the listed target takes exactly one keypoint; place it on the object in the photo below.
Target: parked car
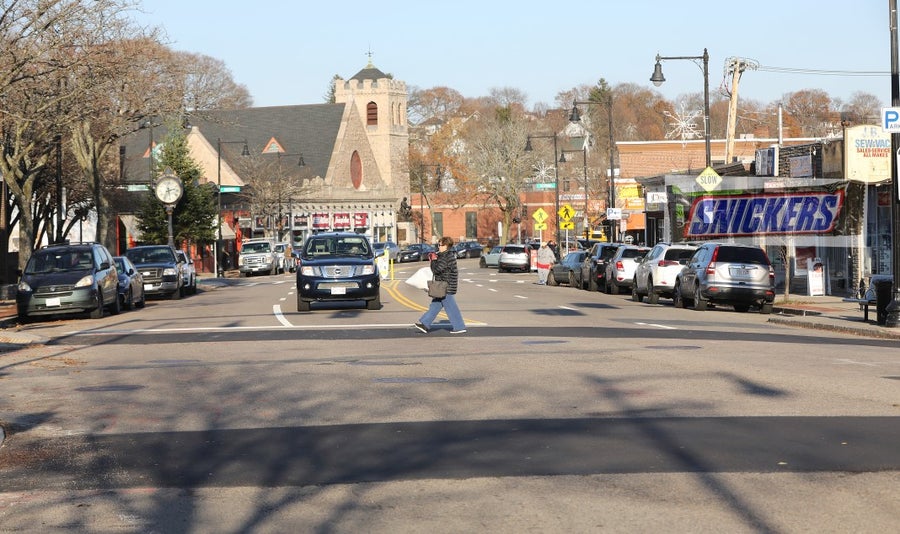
(567, 271)
(160, 268)
(68, 278)
(188, 272)
(257, 256)
(415, 252)
(490, 259)
(727, 273)
(338, 266)
(593, 268)
(514, 258)
(392, 248)
(655, 275)
(468, 249)
(620, 268)
(131, 284)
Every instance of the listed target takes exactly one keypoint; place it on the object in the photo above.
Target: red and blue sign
(764, 214)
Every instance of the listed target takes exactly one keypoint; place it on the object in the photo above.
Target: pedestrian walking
(545, 259)
(443, 265)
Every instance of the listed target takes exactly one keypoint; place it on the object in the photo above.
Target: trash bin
(883, 295)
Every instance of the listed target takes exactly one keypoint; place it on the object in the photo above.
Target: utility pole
(734, 66)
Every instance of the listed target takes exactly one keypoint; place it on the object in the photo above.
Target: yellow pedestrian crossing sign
(566, 213)
(540, 215)
(567, 225)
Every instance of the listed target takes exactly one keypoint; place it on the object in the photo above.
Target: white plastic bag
(420, 278)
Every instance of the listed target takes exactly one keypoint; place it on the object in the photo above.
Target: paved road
(560, 411)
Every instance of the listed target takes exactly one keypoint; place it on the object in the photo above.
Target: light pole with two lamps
(611, 187)
(657, 78)
(528, 148)
(437, 172)
(219, 243)
(300, 163)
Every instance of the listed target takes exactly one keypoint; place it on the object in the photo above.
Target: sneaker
(422, 328)
(463, 331)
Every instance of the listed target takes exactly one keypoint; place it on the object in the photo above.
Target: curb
(854, 330)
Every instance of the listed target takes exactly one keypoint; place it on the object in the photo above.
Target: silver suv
(727, 273)
(655, 275)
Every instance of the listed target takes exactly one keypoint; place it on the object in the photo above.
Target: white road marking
(658, 326)
(844, 361)
(276, 309)
(520, 297)
(568, 308)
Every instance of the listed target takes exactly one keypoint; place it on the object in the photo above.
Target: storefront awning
(227, 232)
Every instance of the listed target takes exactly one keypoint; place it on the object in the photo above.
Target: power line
(823, 72)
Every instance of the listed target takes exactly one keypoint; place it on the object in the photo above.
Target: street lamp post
(562, 159)
(437, 172)
(219, 243)
(611, 188)
(300, 163)
(658, 80)
(892, 311)
(555, 171)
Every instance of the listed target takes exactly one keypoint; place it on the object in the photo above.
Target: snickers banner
(811, 211)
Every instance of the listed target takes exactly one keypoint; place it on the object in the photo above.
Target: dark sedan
(131, 284)
(415, 252)
(568, 271)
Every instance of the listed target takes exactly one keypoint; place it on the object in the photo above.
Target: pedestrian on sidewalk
(545, 260)
(443, 265)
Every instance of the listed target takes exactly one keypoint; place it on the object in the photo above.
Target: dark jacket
(444, 268)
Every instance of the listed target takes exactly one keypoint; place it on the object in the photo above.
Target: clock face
(168, 190)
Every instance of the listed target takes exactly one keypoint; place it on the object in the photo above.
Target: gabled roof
(369, 73)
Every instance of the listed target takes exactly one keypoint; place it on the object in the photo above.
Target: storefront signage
(341, 220)
(740, 215)
(321, 221)
(360, 220)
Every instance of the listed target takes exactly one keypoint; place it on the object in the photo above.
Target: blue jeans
(449, 305)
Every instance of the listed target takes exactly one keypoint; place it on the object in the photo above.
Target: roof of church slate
(310, 130)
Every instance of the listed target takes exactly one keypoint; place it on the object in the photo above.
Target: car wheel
(699, 301)
(97, 313)
(635, 296)
(572, 281)
(374, 304)
(115, 307)
(141, 303)
(678, 296)
(302, 305)
(592, 283)
(176, 294)
(766, 308)
(612, 288)
(551, 280)
(652, 296)
(128, 300)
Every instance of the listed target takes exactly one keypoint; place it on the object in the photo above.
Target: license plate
(53, 302)
(148, 287)
(740, 272)
(338, 290)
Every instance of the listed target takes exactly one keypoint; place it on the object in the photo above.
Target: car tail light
(667, 263)
(711, 268)
(771, 274)
(620, 266)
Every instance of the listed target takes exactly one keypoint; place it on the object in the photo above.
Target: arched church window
(356, 170)
(372, 114)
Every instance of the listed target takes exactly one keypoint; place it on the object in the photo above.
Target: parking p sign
(890, 119)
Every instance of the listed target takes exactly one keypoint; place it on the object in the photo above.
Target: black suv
(593, 268)
(160, 268)
(727, 273)
(68, 278)
(338, 266)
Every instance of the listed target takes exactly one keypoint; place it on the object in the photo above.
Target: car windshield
(632, 253)
(255, 248)
(51, 261)
(741, 255)
(340, 245)
(279, 248)
(150, 255)
(676, 254)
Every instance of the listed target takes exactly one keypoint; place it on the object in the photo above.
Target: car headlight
(86, 281)
(23, 286)
(368, 269)
(169, 271)
(307, 271)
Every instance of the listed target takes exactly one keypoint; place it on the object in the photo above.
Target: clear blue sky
(287, 52)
